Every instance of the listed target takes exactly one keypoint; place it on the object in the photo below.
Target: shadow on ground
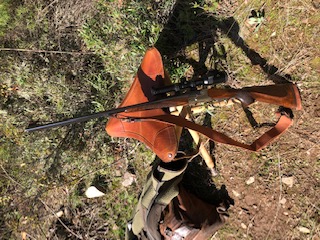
(190, 27)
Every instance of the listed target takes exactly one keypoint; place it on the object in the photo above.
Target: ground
(76, 57)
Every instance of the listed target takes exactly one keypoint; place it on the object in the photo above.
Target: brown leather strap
(282, 125)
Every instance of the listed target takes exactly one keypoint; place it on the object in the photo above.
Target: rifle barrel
(161, 103)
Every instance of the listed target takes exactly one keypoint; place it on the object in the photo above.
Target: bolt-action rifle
(143, 113)
(187, 93)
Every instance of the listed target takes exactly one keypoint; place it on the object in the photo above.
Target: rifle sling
(281, 126)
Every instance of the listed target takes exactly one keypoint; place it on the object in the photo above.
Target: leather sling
(284, 122)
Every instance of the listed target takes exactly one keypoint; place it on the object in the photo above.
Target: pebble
(235, 193)
(304, 230)
(129, 178)
(59, 214)
(288, 181)
(243, 226)
(250, 180)
(283, 201)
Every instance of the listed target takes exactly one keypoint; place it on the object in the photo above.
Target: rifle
(286, 95)
(144, 115)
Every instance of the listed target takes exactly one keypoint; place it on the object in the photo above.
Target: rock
(304, 230)
(93, 192)
(250, 180)
(288, 181)
(235, 193)
(129, 178)
(59, 214)
(283, 201)
(243, 226)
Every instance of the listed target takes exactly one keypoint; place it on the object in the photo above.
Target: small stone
(285, 213)
(59, 214)
(250, 180)
(243, 226)
(304, 230)
(93, 192)
(283, 201)
(235, 193)
(129, 178)
(288, 181)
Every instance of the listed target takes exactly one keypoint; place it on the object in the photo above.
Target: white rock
(59, 214)
(93, 192)
(283, 201)
(304, 229)
(250, 180)
(288, 181)
(235, 193)
(129, 178)
(243, 226)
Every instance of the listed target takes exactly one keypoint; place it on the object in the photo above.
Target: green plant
(256, 19)
(4, 16)
(120, 34)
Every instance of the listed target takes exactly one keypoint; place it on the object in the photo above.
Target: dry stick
(29, 236)
(65, 226)
(44, 51)
(93, 214)
(186, 112)
(280, 196)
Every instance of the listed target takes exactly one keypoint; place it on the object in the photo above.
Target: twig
(251, 221)
(62, 223)
(29, 236)
(93, 214)
(44, 51)
(280, 197)
(10, 178)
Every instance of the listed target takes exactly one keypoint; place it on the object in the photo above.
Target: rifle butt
(286, 95)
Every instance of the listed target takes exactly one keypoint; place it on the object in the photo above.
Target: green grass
(4, 16)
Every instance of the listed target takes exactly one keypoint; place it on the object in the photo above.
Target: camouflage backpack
(166, 210)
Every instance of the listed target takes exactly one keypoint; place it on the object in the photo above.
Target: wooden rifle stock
(286, 95)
